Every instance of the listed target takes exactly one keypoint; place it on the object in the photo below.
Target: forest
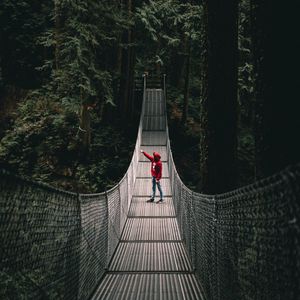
(70, 97)
(74, 205)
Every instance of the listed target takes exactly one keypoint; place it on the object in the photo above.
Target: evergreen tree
(127, 64)
(81, 37)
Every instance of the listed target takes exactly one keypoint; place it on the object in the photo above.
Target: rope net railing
(57, 244)
(244, 244)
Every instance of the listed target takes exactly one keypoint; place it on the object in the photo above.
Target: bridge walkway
(150, 261)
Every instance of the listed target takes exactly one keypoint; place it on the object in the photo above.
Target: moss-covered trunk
(186, 80)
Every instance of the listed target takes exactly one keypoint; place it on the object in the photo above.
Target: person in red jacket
(156, 172)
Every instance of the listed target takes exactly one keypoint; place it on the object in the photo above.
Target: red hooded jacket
(156, 165)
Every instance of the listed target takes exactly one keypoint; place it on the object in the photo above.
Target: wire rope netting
(56, 244)
(40, 241)
(244, 244)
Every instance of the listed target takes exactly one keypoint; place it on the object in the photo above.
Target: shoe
(160, 201)
(150, 200)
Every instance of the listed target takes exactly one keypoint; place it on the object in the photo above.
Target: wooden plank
(154, 95)
(150, 262)
(149, 287)
(144, 229)
(154, 108)
(140, 208)
(143, 187)
(157, 138)
(150, 257)
(154, 123)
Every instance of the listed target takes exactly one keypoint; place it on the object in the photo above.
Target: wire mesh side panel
(113, 197)
(40, 241)
(257, 240)
(55, 244)
(94, 242)
(119, 197)
(132, 172)
(124, 199)
(244, 244)
(186, 221)
(203, 230)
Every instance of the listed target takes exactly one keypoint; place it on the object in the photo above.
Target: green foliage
(63, 44)
(245, 75)
(76, 46)
(165, 23)
(39, 132)
(43, 144)
(246, 143)
(73, 43)
(165, 28)
(78, 35)
(246, 162)
(109, 159)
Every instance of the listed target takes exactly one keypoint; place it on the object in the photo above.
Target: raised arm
(147, 155)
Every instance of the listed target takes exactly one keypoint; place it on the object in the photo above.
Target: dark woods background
(70, 88)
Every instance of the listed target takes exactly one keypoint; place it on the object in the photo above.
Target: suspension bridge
(244, 244)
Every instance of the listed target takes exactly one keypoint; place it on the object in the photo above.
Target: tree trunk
(186, 81)
(277, 119)
(57, 31)
(127, 67)
(131, 78)
(262, 87)
(85, 127)
(218, 145)
(177, 66)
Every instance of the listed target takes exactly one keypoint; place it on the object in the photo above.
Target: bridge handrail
(117, 204)
(80, 233)
(243, 244)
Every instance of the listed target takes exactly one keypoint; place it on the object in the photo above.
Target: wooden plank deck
(148, 287)
(150, 261)
(139, 208)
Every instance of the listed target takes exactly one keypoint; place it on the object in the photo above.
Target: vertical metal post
(80, 237)
(107, 230)
(120, 208)
(144, 98)
(133, 99)
(145, 81)
(165, 91)
(215, 263)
